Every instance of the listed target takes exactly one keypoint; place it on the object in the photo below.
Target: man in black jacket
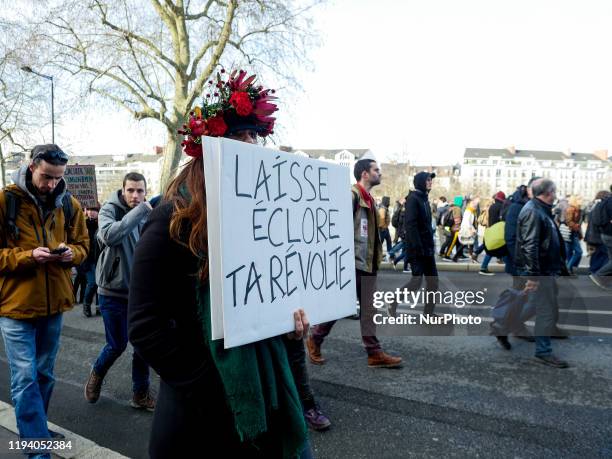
(419, 240)
(540, 258)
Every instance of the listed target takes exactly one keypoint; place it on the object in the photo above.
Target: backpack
(483, 218)
(395, 220)
(448, 220)
(13, 203)
(601, 216)
(441, 214)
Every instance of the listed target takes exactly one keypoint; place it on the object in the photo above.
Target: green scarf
(258, 383)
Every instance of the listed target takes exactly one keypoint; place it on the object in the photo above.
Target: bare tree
(154, 58)
(20, 99)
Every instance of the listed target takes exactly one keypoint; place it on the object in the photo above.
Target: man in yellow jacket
(42, 235)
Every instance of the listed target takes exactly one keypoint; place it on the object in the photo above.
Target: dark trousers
(423, 267)
(547, 313)
(599, 258)
(297, 362)
(366, 285)
(606, 270)
(447, 243)
(114, 314)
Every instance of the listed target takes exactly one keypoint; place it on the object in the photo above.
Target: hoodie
(119, 229)
(418, 228)
(29, 289)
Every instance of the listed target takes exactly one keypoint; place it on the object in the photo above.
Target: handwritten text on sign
(286, 239)
(81, 181)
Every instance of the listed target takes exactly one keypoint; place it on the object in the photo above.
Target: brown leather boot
(314, 352)
(93, 387)
(144, 400)
(382, 360)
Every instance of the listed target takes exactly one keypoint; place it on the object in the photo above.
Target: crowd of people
(460, 224)
(256, 399)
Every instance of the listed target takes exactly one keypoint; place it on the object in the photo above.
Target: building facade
(489, 170)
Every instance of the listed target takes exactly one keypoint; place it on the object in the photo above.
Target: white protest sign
(81, 182)
(280, 237)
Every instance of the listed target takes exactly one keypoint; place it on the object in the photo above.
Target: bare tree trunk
(172, 157)
(2, 167)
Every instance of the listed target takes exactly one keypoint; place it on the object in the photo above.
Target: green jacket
(368, 248)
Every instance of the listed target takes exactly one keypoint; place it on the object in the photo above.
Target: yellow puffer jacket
(29, 289)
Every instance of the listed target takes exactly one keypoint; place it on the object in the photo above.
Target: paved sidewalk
(82, 448)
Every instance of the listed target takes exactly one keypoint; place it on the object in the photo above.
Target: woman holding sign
(243, 399)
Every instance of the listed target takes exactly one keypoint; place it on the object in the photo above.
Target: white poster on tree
(280, 237)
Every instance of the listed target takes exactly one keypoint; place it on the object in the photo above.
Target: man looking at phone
(120, 222)
(42, 236)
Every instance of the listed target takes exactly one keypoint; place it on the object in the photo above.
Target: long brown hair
(187, 193)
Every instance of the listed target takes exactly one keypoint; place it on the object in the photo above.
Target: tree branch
(148, 43)
(224, 37)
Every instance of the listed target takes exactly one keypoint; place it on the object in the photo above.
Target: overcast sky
(429, 78)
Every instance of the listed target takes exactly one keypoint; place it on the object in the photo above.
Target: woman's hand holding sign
(301, 325)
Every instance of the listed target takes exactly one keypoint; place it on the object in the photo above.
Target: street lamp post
(28, 69)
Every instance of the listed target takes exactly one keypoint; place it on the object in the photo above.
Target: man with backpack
(120, 222)
(43, 236)
(601, 219)
(368, 255)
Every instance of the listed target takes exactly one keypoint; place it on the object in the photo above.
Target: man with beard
(43, 236)
(368, 255)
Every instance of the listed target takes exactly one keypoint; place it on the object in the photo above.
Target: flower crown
(230, 106)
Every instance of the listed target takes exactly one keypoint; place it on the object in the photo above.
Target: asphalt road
(456, 396)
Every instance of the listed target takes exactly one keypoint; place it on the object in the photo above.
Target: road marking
(475, 306)
(531, 323)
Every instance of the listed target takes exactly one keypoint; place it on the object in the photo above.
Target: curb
(83, 448)
(470, 267)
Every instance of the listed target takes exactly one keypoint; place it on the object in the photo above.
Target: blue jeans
(573, 252)
(114, 314)
(31, 347)
(400, 246)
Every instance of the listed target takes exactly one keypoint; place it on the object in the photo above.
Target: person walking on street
(420, 245)
(43, 236)
(468, 232)
(454, 225)
(368, 255)
(441, 210)
(597, 249)
(494, 216)
(120, 222)
(88, 268)
(384, 219)
(601, 218)
(573, 221)
(540, 257)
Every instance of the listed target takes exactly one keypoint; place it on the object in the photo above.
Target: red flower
(197, 126)
(192, 149)
(242, 103)
(216, 126)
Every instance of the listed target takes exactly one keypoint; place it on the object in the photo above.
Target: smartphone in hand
(59, 250)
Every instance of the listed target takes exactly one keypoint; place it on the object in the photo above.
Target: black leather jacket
(539, 248)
